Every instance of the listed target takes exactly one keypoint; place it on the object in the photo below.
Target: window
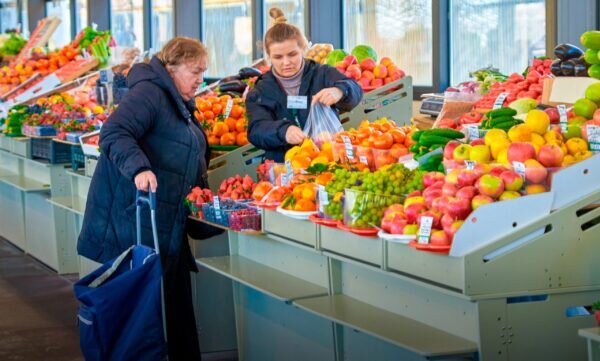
(293, 10)
(81, 12)
(62, 10)
(505, 34)
(24, 19)
(127, 22)
(162, 23)
(227, 35)
(399, 29)
(8, 15)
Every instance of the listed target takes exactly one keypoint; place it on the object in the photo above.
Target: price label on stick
(228, 108)
(217, 206)
(519, 168)
(363, 160)
(472, 131)
(500, 100)
(470, 164)
(289, 173)
(562, 112)
(593, 132)
(323, 198)
(349, 148)
(425, 230)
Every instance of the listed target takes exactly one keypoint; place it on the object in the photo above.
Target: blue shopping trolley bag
(121, 312)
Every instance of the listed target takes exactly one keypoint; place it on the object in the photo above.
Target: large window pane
(162, 23)
(505, 34)
(127, 22)
(8, 15)
(62, 10)
(228, 35)
(293, 10)
(24, 18)
(81, 12)
(398, 29)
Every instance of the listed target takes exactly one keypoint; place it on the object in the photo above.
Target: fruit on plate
(301, 199)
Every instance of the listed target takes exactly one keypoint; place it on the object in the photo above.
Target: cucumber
(501, 112)
(506, 125)
(416, 135)
(435, 159)
(498, 120)
(591, 39)
(436, 146)
(414, 148)
(428, 140)
(448, 133)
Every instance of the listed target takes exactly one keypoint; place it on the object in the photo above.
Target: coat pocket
(90, 339)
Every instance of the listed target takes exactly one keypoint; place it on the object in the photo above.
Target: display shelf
(592, 336)
(67, 204)
(398, 330)
(24, 184)
(220, 226)
(243, 160)
(362, 249)
(270, 281)
(295, 230)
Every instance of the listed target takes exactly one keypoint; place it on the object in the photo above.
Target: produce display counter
(592, 336)
(504, 292)
(243, 160)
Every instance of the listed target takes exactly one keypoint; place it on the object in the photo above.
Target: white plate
(295, 214)
(397, 238)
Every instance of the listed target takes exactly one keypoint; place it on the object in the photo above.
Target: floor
(37, 312)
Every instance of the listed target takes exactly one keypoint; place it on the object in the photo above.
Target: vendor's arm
(352, 93)
(265, 131)
(120, 135)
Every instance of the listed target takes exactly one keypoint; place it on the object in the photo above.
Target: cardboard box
(565, 90)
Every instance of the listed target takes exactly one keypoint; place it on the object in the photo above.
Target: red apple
(342, 65)
(368, 64)
(432, 177)
(553, 114)
(393, 209)
(439, 237)
(449, 149)
(480, 200)
(551, 155)
(377, 83)
(478, 141)
(368, 74)
(438, 184)
(458, 208)
(449, 189)
(535, 172)
(451, 231)
(415, 193)
(496, 171)
(380, 71)
(467, 193)
(410, 229)
(364, 82)
(413, 211)
(462, 152)
(520, 152)
(452, 176)
(353, 72)
(490, 185)
(467, 177)
(439, 204)
(512, 180)
(430, 195)
(481, 169)
(397, 227)
(447, 221)
(351, 59)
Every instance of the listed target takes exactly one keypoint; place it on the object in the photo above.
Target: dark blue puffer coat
(267, 110)
(152, 129)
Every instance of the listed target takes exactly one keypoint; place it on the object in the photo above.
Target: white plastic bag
(322, 124)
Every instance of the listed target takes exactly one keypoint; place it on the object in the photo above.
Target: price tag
(228, 108)
(323, 198)
(472, 131)
(594, 137)
(289, 173)
(272, 174)
(425, 230)
(470, 164)
(562, 112)
(217, 206)
(519, 167)
(349, 148)
(500, 100)
(363, 160)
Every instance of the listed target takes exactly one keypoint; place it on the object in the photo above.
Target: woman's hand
(294, 135)
(144, 180)
(328, 96)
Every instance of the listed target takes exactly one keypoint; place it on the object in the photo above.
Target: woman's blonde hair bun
(277, 15)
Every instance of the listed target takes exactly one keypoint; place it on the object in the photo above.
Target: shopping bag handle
(150, 199)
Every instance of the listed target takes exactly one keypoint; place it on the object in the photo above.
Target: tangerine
(242, 138)
(209, 115)
(217, 108)
(220, 128)
(304, 205)
(240, 125)
(231, 122)
(236, 111)
(228, 139)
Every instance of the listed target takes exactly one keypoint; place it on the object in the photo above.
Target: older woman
(152, 142)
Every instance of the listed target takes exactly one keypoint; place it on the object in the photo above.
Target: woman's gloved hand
(328, 96)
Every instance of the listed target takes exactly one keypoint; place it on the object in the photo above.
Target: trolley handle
(150, 199)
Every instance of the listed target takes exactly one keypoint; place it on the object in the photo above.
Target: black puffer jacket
(267, 108)
(152, 129)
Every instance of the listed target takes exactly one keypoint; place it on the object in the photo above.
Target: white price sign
(289, 173)
(228, 108)
(349, 148)
(363, 160)
(217, 205)
(593, 132)
(323, 198)
(470, 164)
(472, 131)
(562, 112)
(500, 100)
(519, 167)
(425, 230)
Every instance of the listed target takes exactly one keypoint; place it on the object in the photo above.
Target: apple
(512, 180)
(462, 152)
(467, 193)
(453, 228)
(413, 211)
(449, 149)
(478, 141)
(353, 72)
(458, 208)
(439, 184)
(439, 237)
(480, 153)
(377, 83)
(481, 169)
(393, 209)
(368, 74)
(496, 171)
(432, 177)
(430, 195)
(520, 152)
(449, 189)
(415, 193)
(342, 65)
(467, 177)
(437, 216)
(410, 229)
(535, 172)
(363, 82)
(506, 195)
(480, 200)
(452, 176)
(596, 115)
(439, 204)
(490, 185)
(368, 64)
(351, 59)
(397, 227)
(380, 71)
(551, 155)
(553, 115)
(447, 220)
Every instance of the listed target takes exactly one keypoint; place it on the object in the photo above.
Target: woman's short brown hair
(282, 31)
(180, 50)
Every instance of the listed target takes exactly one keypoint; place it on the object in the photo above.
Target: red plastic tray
(430, 247)
(323, 221)
(366, 232)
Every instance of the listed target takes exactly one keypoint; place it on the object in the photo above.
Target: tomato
(398, 136)
(398, 150)
(384, 141)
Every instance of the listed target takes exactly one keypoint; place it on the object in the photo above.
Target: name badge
(297, 102)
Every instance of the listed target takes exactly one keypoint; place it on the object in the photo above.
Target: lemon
(538, 121)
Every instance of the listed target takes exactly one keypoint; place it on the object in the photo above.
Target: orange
(228, 139)
(304, 205)
(224, 98)
(309, 193)
(220, 128)
(324, 178)
(240, 125)
(236, 111)
(203, 105)
(213, 139)
(209, 115)
(242, 138)
(301, 162)
(213, 99)
(217, 108)
(230, 123)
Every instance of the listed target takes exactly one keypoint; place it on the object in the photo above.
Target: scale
(431, 104)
